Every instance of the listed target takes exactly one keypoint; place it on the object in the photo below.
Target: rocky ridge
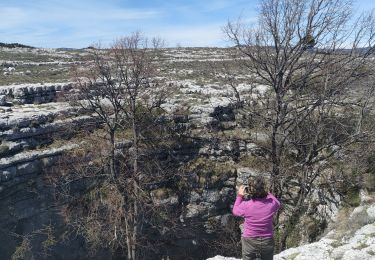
(36, 128)
(32, 93)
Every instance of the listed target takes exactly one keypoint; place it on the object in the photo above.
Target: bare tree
(116, 81)
(119, 87)
(314, 60)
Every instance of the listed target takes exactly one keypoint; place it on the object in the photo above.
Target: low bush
(4, 150)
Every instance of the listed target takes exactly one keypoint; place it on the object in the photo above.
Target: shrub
(15, 45)
(369, 181)
(4, 150)
(34, 124)
(23, 251)
(352, 197)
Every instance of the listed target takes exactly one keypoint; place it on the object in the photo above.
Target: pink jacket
(258, 215)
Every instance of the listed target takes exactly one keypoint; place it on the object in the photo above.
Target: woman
(257, 235)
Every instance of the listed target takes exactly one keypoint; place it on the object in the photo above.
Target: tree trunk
(135, 231)
(276, 189)
(112, 163)
(292, 221)
(128, 239)
(135, 187)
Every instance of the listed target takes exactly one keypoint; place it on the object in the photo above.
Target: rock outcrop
(32, 93)
(34, 136)
(37, 127)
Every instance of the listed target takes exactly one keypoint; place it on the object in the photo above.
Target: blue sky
(80, 23)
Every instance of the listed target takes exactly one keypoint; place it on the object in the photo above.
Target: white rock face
(317, 250)
(222, 258)
(2, 100)
(371, 213)
(360, 246)
(33, 93)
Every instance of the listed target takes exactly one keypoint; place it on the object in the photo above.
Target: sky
(81, 23)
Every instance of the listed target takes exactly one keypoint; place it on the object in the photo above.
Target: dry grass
(347, 224)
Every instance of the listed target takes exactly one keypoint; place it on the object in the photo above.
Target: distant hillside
(15, 45)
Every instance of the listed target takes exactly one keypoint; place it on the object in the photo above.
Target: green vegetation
(293, 256)
(26, 249)
(15, 45)
(352, 197)
(23, 250)
(361, 246)
(336, 243)
(192, 67)
(4, 150)
(209, 173)
(347, 222)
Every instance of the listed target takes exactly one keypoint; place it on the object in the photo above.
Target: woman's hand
(241, 191)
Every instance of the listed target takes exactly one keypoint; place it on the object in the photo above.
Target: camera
(248, 192)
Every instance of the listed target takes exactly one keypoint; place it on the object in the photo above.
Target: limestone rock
(222, 258)
(2, 100)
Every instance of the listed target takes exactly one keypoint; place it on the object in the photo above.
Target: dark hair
(258, 187)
